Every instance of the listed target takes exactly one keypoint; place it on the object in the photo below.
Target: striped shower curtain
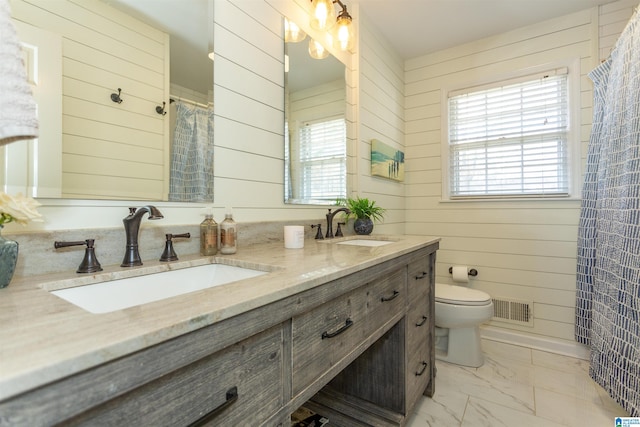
(608, 275)
(192, 155)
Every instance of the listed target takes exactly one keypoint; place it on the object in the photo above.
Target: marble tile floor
(517, 386)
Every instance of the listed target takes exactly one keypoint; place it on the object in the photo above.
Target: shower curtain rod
(188, 101)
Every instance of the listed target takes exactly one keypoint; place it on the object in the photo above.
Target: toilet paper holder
(472, 271)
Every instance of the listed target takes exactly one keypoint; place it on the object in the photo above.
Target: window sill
(512, 199)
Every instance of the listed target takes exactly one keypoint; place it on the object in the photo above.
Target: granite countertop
(45, 338)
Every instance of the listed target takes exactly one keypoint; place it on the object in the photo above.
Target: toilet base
(461, 346)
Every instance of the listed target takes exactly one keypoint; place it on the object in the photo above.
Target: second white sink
(118, 294)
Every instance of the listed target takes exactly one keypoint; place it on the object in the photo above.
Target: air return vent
(513, 311)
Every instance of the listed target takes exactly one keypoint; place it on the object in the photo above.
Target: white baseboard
(551, 345)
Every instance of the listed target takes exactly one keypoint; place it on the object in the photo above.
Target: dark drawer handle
(347, 324)
(232, 396)
(422, 321)
(423, 368)
(421, 275)
(385, 299)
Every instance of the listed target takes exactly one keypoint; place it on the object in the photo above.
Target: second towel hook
(115, 97)
(160, 110)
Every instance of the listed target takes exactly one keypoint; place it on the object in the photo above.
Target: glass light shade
(316, 50)
(323, 15)
(293, 33)
(344, 34)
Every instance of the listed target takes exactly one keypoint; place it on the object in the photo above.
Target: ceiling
(417, 27)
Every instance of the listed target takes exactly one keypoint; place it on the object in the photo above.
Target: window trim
(573, 146)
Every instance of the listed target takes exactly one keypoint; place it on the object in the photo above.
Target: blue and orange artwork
(386, 161)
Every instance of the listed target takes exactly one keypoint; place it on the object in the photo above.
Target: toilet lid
(452, 294)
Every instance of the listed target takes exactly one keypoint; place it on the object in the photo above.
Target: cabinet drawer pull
(423, 367)
(232, 396)
(421, 275)
(347, 325)
(422, 321)
(385, 299)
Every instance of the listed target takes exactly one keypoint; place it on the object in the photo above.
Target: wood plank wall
(523, 250)
(249, 98)
(613, 18)
(109, 150)
(381, 116)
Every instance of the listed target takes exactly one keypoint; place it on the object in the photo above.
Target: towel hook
(115, 97)
(160, 110)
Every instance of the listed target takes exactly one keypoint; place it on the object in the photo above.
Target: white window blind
(323, 160)
(510, 140)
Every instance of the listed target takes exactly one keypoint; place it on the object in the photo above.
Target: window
(510, 140)
(319, 169)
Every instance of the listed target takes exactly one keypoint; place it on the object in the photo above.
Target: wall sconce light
(323, 15)
(344, 32)
(323, 18)
(317, 50)
(293, 33)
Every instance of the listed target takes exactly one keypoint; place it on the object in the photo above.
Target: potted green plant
(364, 211)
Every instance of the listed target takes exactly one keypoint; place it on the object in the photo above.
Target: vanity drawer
(240, 385)
(418, 318)
(387, 296)
(419, 277)
(326, 334)
(418, 369)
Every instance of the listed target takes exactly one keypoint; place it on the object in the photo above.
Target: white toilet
(459, 313)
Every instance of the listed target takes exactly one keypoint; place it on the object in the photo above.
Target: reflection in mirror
(151, 51)
(315, 127)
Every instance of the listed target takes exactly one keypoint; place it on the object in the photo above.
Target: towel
(18, 117)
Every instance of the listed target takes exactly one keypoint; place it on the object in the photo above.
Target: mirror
(122, 62)
(315, 127)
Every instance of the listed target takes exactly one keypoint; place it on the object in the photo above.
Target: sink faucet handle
(169, 254)
(339, 230)
(319, 232)
(90, 262)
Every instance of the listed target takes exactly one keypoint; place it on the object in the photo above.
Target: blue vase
(8, 259)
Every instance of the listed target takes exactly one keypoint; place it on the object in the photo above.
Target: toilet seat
(459, 295)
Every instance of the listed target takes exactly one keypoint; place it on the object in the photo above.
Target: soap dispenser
(208, 236)
(228, 235)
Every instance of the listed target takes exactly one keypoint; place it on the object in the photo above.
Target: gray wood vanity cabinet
(358, 349)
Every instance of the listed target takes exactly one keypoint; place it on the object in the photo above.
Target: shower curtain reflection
(192, 154)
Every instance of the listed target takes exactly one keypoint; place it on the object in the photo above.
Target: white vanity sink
(118, 294)
(365, 242)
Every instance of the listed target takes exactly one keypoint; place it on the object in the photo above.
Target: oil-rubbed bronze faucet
(132, 228)
(330, 216)
(90, 262)
(169, 254)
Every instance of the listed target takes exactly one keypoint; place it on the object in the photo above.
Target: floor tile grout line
(464, 413)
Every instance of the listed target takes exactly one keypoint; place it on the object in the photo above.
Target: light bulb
(323, 14)
(344, 33)
(317, 50)
(292, 32)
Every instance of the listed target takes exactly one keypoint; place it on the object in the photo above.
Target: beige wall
(523, 250)
(381, 116)
(103, 50)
